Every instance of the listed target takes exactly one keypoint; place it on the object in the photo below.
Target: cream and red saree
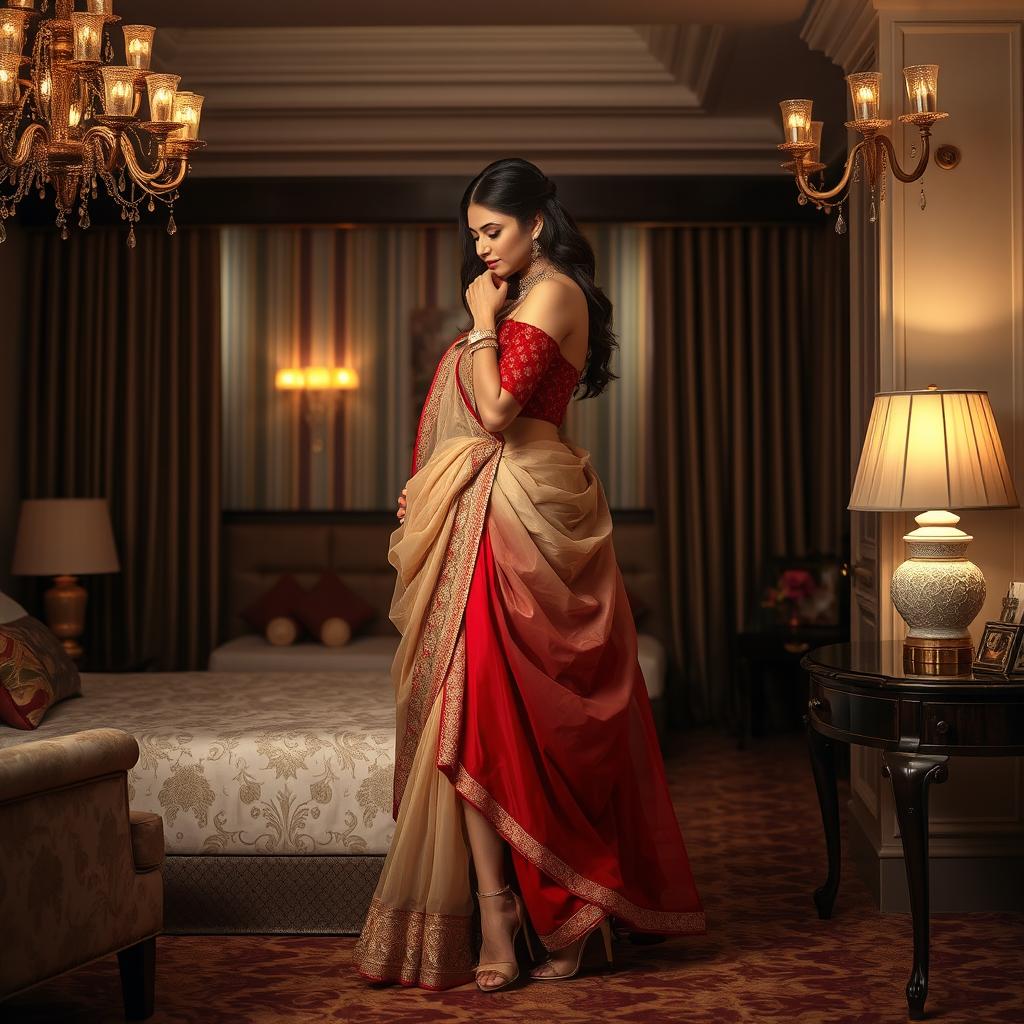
(517, 689)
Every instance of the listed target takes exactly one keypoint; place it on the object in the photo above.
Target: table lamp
(65, 538)
(934, 450)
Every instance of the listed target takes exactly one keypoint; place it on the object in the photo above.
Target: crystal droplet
(151, 206)
(924, 201)
(802, 199)
(131, 237)
(171, 226)
(64, 233)
(874, 213)
(120, 181)
(840, 224)
(124, 213)
(3, 232)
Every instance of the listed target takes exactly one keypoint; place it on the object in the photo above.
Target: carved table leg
(823, 763)
(911, 775)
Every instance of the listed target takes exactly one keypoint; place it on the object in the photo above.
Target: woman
(522, 716)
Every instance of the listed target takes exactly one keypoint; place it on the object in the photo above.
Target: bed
(273, 771)
(274, 788)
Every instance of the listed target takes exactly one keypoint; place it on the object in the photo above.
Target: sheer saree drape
(518, 690)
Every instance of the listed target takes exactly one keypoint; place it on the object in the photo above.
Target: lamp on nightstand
(934, 450)
(65, 538)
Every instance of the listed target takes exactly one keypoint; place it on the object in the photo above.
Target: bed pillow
(10, 609)
(35, 672)
(282, 631)
(279, 602)
(328, 599)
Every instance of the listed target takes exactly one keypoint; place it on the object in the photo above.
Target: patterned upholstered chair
(80, 875)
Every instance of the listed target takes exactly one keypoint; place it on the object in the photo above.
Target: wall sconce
(318, 388)
(875, 151)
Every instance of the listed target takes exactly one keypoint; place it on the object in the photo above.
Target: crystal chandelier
(875, 152)
(69, 116)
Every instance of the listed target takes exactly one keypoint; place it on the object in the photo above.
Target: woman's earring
(535, 249)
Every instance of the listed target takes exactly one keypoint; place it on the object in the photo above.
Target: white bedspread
(249, 763)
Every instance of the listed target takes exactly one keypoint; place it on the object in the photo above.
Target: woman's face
(501, 242)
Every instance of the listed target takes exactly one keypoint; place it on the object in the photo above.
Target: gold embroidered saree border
(584, 920)
(441, 632)
(683, 923)
(414, 947)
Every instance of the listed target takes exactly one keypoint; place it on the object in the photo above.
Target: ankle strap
(497, 892)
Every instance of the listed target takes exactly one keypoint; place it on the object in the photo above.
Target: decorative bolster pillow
(272, 613)
(331, 612)
(526, 352)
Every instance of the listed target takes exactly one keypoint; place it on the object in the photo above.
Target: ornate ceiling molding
(596, 99)
(846, 31)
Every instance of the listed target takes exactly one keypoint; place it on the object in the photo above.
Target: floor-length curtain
(122, 401)
(751, 449)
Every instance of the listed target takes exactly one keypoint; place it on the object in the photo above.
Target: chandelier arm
(804, 185)
(922, 161)
(103, 135)
(19, 154)
(157, 188)
(135, 169)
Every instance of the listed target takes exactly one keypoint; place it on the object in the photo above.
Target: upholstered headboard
(258, 547)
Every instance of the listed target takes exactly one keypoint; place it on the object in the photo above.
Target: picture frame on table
(999, 648)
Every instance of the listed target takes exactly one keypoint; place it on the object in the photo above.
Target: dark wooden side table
(859, 693)
(772, 647)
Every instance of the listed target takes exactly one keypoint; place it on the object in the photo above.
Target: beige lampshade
(64, 537)
(932, 449)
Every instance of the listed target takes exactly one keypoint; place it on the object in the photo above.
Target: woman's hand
(401, 505)
(485, 296)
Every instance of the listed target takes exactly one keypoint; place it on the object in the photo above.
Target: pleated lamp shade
(932, 449)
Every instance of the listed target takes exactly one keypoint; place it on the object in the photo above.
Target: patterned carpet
(754, 835)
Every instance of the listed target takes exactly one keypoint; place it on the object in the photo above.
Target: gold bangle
(477, 345)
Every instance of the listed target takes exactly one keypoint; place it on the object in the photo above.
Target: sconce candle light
(874, 153)
(318, 387)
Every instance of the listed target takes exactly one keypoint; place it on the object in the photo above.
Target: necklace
(526, 283)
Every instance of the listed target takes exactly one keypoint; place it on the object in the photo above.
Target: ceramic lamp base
(939, 593)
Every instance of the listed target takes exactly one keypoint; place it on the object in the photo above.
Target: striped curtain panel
(384, 300)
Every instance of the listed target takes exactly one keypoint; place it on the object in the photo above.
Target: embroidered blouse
(534, 370)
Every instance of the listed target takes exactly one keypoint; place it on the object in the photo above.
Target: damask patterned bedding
(247, 762)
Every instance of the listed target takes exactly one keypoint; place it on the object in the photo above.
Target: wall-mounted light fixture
(318, 388)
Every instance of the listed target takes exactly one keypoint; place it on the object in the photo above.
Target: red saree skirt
(559, 752)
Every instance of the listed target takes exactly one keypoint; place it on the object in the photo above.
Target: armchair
(80, 875)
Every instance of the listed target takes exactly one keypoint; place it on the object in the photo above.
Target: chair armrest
(39, 766)
(147, 840)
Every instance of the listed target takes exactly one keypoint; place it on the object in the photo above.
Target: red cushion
(35, 672)
(281, 600)
(329, 598)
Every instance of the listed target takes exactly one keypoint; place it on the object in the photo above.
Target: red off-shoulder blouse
(534, 370)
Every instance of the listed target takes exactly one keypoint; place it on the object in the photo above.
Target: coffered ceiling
(323, 88)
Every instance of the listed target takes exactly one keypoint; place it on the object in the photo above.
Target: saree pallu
(517, 690)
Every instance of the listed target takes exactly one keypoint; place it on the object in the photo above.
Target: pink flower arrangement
(793, 587)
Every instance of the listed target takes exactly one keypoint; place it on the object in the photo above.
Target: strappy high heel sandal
(509, 970)
(606, 934)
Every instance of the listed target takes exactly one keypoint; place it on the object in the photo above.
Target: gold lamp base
(937, 657)
(65, 612)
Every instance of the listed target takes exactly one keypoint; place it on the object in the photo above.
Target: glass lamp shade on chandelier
(70, 117)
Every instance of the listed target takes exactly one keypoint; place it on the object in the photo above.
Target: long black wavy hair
(518, 188)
